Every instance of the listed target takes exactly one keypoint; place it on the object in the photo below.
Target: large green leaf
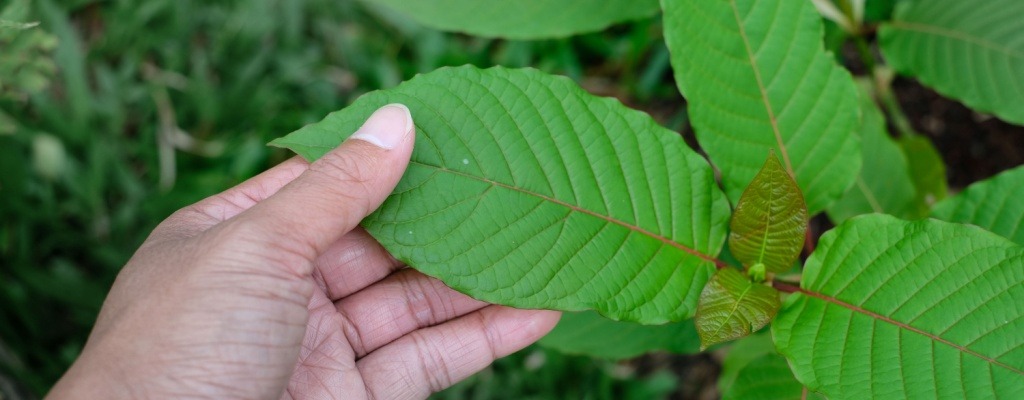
(522, 19)
(995, 204)
(757, 78)
(892, 309)
(972, 51)
(525, 190)
(884, 184)
(588, 333)
(731, 307)
(770, 220)
(753, 370)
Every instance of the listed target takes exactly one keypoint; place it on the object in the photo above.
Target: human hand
(270, 290)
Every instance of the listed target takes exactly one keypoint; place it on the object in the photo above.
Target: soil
(974, 146)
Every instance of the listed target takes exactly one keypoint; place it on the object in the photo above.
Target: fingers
(402, 303)
(352, 263)
(336, 192)
(431, 359)
(215, 209)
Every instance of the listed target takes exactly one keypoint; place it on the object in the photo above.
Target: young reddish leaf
(731, 307)
(770, 220)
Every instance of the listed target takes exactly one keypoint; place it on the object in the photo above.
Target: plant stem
(899, 119)
(785, 287)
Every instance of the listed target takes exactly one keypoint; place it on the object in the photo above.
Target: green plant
(525, 190)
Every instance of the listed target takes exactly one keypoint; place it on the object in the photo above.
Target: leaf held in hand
(524, 190)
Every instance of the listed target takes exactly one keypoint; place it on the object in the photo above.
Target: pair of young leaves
(767, 233)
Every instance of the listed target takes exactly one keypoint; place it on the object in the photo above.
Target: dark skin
(271, 290)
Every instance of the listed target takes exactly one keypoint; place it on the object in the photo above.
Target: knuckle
(354, 168)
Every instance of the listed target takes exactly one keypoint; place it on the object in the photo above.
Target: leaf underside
(757, 78)
(522, 19)
(995, 204)
(972, 51)
(588, 333)
(770, 220)
(524, 190)
(896, 309)
(731, 307)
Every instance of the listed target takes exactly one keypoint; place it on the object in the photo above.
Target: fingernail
(387, 127)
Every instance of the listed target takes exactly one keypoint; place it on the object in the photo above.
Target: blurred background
(115, 113)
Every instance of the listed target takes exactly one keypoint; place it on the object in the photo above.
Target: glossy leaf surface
(757, 78)
(770, 220)
(731, 307)
(996, 204)
(972, 51)
(522, 19)
(896, 309)
(588, 333)
(524, 190)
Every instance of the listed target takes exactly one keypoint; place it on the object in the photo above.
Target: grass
(115, 113)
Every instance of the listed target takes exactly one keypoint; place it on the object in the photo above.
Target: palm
(327, 361)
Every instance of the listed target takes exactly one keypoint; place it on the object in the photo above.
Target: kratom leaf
(757, 78)
(524, 190)
(770, 220)
(753, 370)
(968, 50)
(927, 171)
(884, 184)
(995, 204)
(522, 19)
(890, 309)
(588, 333)
(731, 307)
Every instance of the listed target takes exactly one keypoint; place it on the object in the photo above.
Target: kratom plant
(527, 191)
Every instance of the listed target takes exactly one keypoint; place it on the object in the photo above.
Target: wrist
(93, 377)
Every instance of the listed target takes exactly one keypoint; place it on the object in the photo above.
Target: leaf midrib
(718, 263)
(735, 306)
(761, 88)
(880, 317)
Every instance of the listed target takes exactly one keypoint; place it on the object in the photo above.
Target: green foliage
(994, 204)
(25, 65)
(971, 51)
(589, 333)
(770, 220)
(731, 307)
(885, 184)
(756, 82)
(536, 194)
(522, 19)
(895, 309)
(753, 370)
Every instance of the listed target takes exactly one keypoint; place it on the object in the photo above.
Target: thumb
(338, 190)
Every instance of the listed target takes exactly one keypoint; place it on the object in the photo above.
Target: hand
(270, 290)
